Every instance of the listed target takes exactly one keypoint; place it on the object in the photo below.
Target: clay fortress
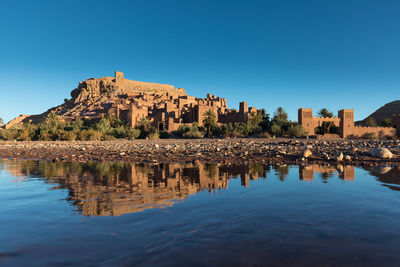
(164, 105)
(345, 124)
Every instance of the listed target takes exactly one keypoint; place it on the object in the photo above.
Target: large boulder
(380, 152)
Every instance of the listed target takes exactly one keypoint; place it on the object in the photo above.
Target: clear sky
(334, 54)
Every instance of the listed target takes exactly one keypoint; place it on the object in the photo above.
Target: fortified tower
(305, 117)
(243, 111)
(119, 76)
(346, 126)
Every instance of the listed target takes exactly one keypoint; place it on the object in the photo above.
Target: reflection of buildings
(307, 172)
(112, 189)
(104, 189)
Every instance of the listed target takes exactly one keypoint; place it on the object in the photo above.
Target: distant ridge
(384, 112)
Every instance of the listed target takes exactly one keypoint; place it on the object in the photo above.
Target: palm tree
(325, 113)
(280, 117)
(281, 113)
(209, 121)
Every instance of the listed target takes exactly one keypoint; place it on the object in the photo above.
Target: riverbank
(274, 151)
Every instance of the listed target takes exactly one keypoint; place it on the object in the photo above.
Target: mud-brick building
(170, 108)
(345, 124)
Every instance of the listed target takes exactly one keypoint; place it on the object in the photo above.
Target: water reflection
(112, 189)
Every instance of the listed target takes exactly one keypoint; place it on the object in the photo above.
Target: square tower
(119, 75)
(243, 115)
(306, 119)
(346, 125)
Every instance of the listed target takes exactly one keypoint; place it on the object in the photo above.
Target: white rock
(380, 152)
(307, 153)
(347, 157)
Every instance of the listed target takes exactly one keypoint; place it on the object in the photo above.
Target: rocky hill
(96, 96)
(384, 112)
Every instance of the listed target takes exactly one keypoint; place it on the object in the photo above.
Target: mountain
(384, 112)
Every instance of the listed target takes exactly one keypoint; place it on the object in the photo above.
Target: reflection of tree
(282, 170)
(325, 176)
(211, 170)
(258, 170)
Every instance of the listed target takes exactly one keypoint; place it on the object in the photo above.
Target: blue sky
(334, 54)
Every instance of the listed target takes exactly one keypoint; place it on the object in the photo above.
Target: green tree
(1, 121)
(280, 116)
(327, 126)
(103, 125)
(325, 113)
(266, 121)
(209, 121)
(370, 122)
(276, 129)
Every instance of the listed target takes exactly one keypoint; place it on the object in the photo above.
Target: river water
(197, 214)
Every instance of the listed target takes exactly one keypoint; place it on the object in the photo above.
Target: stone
(382, 153)
(338, 156)
(307, 153)
(347, 157)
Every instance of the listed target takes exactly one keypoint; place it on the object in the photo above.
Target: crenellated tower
(305, 119)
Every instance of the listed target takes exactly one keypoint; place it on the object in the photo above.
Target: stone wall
(345, 123)
(380, 132)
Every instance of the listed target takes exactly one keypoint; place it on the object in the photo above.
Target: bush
(182, 129)
(134, 134)
(68, 136)
(8, 134)
(276, 129)
(369, 136)
(193, 134)
(187, 131)
(164, 134)
(154, 136)
(297, 131)
(89, 135)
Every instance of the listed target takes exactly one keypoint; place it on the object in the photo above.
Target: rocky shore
(274, 151)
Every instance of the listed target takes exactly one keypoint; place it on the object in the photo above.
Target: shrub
(369, 136)
(134, 134)
(182, 129)
(68, 136)
(297, 131)
(89, 135)
(276, 129)
(193, 134)
(8, 134)
(164, 134)
(154, 136)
